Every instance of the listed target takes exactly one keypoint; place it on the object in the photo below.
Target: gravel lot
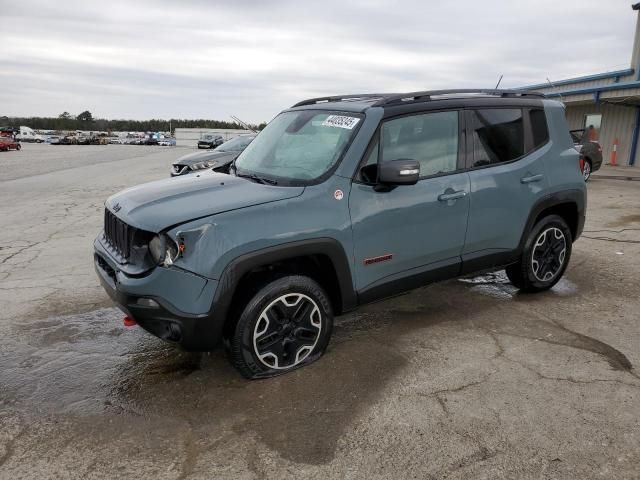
(464, 379)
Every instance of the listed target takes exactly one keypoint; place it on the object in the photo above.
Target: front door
(406, 234)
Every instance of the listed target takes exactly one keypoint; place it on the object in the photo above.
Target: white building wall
(188, 137)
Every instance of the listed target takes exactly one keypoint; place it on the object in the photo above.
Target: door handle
(532, 178)
(445, 197)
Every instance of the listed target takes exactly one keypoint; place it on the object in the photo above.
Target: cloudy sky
(252, 58)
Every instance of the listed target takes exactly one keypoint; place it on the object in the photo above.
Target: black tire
(542, 263)
(587, 169)
(292, 318)
(18, 147)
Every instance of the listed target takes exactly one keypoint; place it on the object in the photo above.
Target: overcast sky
(252, 58)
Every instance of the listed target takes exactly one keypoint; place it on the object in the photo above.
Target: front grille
(118, 234)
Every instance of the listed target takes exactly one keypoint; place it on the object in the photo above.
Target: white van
(28, 135)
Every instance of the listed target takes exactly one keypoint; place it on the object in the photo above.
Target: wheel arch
(322, 259)
(570, 205)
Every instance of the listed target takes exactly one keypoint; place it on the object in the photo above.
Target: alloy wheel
(548, 255)
(287, 331)
(586, 170)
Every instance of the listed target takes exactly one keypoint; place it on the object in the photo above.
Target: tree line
(85, 121)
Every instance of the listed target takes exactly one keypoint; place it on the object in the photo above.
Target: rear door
(404, 234)
(507, 176)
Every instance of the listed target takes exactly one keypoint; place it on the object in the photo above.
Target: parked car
(167, 142)
(590, 151)
(53, 140)
(8, 143)
(68, 140)
(27, 134)
(218, 159)
(338, 202)
(210, 141)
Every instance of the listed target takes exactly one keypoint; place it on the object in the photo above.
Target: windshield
(235, 144)
(299, 146)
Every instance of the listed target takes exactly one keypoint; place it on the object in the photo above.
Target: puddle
(89, 365)
(492, 284)
(497, 285)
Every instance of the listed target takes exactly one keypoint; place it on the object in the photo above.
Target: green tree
(85, 116)
(65, 116)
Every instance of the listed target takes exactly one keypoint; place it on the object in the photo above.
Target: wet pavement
(464, 379)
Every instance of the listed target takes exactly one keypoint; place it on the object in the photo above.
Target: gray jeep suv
(338, 202)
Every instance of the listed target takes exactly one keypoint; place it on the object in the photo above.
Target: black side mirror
(404, 171)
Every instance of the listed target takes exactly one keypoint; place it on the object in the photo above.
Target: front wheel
(286, 325)
(18, 147)
(545, 256)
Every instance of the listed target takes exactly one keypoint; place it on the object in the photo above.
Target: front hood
(197, 157)
(158, 205)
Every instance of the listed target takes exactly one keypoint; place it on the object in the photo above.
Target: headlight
(200, 166)
(163, 250)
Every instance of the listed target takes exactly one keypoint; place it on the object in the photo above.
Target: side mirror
(404, 171)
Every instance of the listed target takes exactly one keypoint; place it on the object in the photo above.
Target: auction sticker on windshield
(340, 121)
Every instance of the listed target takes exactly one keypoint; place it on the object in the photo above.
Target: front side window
(299, 146)
(498, 135)
(431, 139)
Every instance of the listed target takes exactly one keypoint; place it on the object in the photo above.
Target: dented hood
(158, 205)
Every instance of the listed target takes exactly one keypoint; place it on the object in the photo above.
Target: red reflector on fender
(129, 322)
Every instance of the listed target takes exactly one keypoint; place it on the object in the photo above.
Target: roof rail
(340, 98)
(428, 94)
(394, 98)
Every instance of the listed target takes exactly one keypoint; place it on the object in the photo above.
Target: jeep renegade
(341, 201)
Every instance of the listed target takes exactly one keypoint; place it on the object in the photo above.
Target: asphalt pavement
(463, 379)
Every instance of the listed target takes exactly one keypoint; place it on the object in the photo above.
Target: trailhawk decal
(340, 121)
(381, 258)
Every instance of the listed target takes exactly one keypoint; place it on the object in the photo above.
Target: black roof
(363, 101)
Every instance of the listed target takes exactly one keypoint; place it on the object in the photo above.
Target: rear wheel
(286, 325)
(18, 147)
(586, 170)
(545, 257)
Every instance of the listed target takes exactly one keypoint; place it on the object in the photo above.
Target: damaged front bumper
(170, 303)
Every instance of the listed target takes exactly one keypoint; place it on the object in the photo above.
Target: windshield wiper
(256, 178)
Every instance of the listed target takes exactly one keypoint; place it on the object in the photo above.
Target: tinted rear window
(498, 136)
(539, 130)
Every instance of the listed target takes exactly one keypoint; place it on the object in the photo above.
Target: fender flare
(575, 197)
(238, 267)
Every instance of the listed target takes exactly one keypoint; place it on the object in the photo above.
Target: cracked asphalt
(464, 379)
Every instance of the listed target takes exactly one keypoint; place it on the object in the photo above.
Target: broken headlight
(163, 250)
(200, 165)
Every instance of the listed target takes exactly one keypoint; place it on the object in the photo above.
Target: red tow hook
(129, 322)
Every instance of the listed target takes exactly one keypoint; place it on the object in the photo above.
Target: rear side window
(539, 131)
(498, 135)
(431, 139)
